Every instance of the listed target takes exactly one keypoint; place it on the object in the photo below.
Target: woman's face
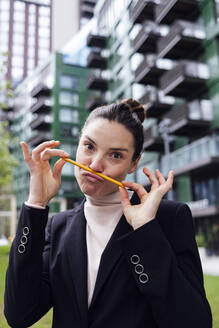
(106, 147)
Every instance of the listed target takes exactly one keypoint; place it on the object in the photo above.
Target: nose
(97, 164)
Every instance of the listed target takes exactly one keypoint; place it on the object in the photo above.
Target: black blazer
(148, 278)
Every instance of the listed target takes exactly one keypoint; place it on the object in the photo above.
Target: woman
(97, 267)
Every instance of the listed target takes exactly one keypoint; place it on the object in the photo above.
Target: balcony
(87, 9)
(41, 123)
(40, 90)
(149, 71)
(95, 82)
(142, 10)
(184, 79)
(36, 139)
(198, 158)
(96, 41)
(95, 60)
(89, 2)
(184, 40)
(94, 102)
(43, 105)
(170, 10)
(146, 39)
(152, 141)
(156, 106)
(189, 119)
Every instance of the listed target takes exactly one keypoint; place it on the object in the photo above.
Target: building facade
(50, 105)
(25, 35)
(165, 54)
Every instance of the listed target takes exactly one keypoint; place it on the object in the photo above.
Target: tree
(6, 92)
(7, 161)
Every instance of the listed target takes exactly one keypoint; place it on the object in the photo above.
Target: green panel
(208, 15)
(214, 95)
(184, 188)
(212, 59)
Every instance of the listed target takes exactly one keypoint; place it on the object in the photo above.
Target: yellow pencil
(92, 171)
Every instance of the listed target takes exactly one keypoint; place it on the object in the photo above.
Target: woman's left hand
(138, 215)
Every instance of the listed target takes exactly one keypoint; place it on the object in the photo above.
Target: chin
(97, 191)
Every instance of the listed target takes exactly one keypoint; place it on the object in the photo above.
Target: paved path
(210, 264)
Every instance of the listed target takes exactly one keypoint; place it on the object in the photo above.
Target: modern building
(50, 104)
(165, 53)
(25, 35)
(86, 10)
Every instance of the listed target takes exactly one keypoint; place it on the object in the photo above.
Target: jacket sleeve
(168, 272)
(27, 288)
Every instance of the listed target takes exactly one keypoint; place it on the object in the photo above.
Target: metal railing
(194, 152)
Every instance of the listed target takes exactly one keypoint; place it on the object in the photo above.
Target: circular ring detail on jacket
(143, 278)
(26, 231)
(135, 259)
(21, 248)
(139, 269)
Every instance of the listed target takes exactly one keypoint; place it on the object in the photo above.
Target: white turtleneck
(102, 216)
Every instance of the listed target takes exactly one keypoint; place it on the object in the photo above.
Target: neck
(110, 199)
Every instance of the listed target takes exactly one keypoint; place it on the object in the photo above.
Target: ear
(134, 165)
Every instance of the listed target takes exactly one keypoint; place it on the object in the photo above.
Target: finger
(48, 153)
(170, 178)
(36, 153)
(57, 168)
(26, 153)
(152, 178)
(164, 188)
(136, 187)
(124, 197)
(160, 177)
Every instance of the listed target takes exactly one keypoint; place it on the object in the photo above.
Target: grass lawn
(212, 291)
(45, 322)
(211, 286)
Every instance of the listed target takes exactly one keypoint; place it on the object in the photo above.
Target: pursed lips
(94, 176)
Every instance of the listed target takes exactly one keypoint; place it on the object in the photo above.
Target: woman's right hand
(44, 182)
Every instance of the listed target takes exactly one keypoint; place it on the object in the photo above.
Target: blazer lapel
(76, 249)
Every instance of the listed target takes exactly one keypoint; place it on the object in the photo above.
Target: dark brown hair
(128, 112)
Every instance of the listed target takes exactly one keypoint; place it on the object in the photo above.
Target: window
(19, 27)
(19, 16)
(44, 32)
(44, 42)
(18, 38)
(70, 149)
(68, 98)
(43, 53)
(44, 21)
(138, 90)
(68, 115)
(68, 82)
(18, 50)
(67, 131)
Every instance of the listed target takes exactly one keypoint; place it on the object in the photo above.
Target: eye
(116, 155)
(88, 146)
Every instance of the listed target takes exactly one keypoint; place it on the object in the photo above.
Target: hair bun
(135, 108)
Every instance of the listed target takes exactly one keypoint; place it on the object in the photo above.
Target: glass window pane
(68, 115)
(68, 82)
(67, 131)
(68, 98)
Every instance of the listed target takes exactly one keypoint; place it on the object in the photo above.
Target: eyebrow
(113, 148)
